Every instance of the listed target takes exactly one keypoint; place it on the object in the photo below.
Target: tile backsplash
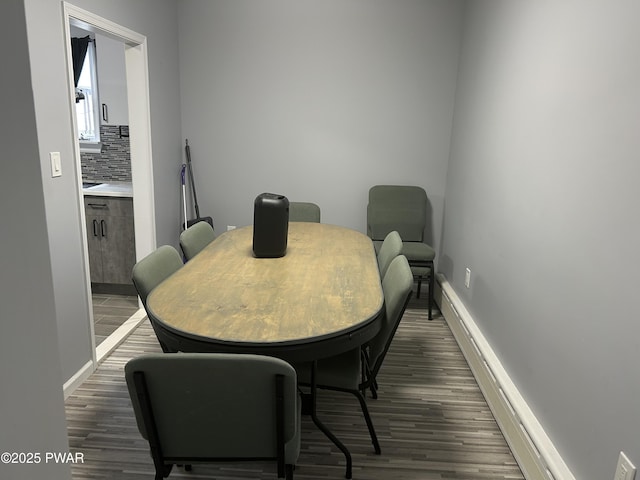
(113, 163)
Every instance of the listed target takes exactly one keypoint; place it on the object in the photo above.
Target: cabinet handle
(103, 228)
(105, 112)
(97, 205)
(95, 228)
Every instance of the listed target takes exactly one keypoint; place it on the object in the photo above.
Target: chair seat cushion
(418, 251)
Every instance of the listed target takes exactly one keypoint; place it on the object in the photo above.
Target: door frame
(137, 79)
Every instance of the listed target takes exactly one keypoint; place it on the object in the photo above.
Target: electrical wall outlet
(467, 278)
(625, 469)
(231, 227)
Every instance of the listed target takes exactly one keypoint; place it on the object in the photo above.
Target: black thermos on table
(270, 225)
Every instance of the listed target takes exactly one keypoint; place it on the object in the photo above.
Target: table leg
(321, 426)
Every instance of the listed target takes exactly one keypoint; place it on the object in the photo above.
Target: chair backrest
(390, 249)
(304, 212)
(397, 287)
(215, 406)
(195, 238)
(397, 207)
(154, 268)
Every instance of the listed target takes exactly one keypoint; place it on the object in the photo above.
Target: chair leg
(323, 428)
(373, 384)
(163, 472)
(367, 377)
(289, 472)
(431, 285)
(431, 280)
(373, 388)
(367, 418)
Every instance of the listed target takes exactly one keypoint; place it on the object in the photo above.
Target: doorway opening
(139, 131)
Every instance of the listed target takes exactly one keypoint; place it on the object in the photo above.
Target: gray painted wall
(317, 101)
(320, 100)
(541, 203)
(44, 295)
(31, 405)
(53, 116)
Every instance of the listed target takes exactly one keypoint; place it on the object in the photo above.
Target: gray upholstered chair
(203, 407)
(403, 208)
(150, 271)
(304, 212)
(390, 248)
(356, 370)
(195, 238)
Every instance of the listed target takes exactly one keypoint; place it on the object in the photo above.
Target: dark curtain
(78, 52)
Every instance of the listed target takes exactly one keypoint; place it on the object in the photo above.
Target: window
(87, 100)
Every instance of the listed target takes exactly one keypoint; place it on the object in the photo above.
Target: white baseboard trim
(110, 343)
(80, 376)
(533, 450)
(103, 350)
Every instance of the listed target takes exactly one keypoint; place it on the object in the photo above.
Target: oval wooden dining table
(322, 298)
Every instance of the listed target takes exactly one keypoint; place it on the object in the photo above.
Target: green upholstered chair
(202, 407)
(150, 271)
(403, 208)
(304, 212)
(195, 238)
(356, 370)
(390, 248)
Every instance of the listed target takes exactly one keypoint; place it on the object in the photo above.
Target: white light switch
(625, 469)
(56, 164)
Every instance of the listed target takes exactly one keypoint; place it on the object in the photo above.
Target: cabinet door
(112, 82)
(94, 245)
(118, 253)
(111, 239)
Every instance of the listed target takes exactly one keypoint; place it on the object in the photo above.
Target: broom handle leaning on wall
(184, 194)
(187, 150)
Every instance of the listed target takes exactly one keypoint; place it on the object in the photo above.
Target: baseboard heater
(533, 450)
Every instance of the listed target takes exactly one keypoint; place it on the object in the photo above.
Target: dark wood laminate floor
(111, 311)
(431, 419)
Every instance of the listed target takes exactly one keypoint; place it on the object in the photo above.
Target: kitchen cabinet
(111, 243)
(112, 83)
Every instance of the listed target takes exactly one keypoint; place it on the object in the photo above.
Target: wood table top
(326, 285)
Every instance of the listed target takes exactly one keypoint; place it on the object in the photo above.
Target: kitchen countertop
(110, 189)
